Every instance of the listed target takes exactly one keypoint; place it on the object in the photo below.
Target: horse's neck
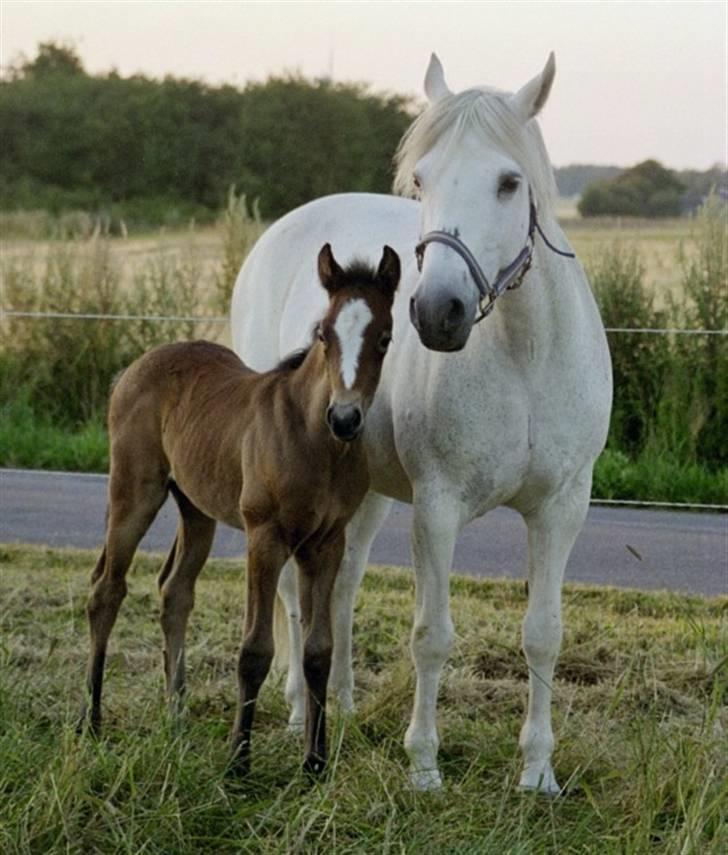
(536, 315)
(309, 388)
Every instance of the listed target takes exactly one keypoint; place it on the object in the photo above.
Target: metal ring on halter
(508, 278)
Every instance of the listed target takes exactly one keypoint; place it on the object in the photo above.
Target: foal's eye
(320, 335)
(508, 185)
(384, 341)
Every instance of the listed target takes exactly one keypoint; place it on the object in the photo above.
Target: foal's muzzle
(346, 421)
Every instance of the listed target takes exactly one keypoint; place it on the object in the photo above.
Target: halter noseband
(508, 278)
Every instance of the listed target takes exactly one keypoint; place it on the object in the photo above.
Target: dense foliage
(645, 190)
(171, 149)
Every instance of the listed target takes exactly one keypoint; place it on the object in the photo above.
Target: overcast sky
(634, 80)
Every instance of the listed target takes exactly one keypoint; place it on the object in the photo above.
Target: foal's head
(355, 334)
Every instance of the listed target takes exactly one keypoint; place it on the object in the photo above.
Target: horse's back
(277, 295)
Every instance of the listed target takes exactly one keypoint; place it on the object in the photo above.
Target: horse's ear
(328, 270)
(435, 87)
(529, 100)
(389, 269)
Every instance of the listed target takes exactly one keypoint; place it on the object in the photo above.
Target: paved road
(625, 547)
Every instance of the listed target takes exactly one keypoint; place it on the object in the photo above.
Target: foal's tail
(280, 635)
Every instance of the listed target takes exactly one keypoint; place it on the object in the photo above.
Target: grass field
(656, 241)
(640, 718)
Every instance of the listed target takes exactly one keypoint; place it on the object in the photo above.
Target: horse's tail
(280, 635)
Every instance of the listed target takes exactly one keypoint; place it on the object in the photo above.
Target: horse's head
(355, 333)
(476, 161)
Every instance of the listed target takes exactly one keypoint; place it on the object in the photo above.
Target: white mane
(487, 111)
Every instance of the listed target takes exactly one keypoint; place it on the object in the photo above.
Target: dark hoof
(90, 724)
(238, 767)
(314, 766)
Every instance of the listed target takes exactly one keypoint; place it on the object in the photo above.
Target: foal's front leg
(267, 553)
(318, 569)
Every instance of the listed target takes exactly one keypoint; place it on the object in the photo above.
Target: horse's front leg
(318, 569)
(267, 553)
(435, 529)
(552, 530)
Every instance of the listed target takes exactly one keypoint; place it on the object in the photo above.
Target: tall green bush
(670, 390)
(63, 368)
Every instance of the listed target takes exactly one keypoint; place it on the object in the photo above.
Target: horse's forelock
(488, 112)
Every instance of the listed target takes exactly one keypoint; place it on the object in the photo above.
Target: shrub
(65, 366)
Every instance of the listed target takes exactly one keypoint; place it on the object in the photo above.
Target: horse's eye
(384, 341)
(416, 181)
(508, 185)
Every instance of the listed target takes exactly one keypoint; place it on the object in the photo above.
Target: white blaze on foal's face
(350, 325)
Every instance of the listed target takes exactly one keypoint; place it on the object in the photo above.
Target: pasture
(640, 715)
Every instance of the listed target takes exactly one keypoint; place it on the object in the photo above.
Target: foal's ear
(389, 270)
(328, 270)
(435, 87)
(529, 100)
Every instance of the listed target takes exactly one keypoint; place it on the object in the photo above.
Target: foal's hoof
(540, 780)
(426, 780)
(88, 723)
(314, 766)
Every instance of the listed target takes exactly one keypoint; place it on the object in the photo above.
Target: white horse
(512, 411)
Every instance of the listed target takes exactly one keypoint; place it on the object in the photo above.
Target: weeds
(670, 414)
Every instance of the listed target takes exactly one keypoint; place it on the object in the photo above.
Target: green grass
(640, 718)
(27, 441)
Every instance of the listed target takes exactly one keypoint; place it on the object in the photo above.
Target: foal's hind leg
(177, 588)
(132, 508)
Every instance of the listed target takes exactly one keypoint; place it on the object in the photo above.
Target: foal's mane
(358, 273)
(488, 112)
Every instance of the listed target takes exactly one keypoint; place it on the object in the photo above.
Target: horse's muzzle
(443, 327)
(345, 421)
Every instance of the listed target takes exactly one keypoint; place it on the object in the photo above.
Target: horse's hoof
(540, 780)
(345, 701)
(426, 780)
(295, 725)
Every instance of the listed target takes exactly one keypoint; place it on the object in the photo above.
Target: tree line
(74, 140)
(155, 151)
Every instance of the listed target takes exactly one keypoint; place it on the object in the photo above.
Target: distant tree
(52, 58)
(645, 190)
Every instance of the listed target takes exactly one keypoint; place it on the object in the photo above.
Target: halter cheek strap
(508, 277)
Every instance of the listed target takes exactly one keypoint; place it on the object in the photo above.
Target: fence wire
(204, 319)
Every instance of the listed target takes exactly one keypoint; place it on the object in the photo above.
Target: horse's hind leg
(295, 692)
(177, 588)
(132, 508)
(552, 531)
(360, 534)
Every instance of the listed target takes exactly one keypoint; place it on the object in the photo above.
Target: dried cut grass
(640, 718)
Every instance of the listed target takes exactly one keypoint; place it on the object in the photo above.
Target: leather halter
(508, 278)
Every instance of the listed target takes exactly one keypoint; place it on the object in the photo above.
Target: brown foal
(278, 454)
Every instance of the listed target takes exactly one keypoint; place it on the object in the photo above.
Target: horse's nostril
(453, 316)
(356, 419)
